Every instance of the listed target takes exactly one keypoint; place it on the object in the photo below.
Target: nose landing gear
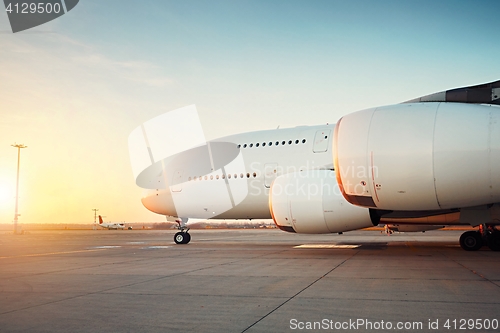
(182, 237)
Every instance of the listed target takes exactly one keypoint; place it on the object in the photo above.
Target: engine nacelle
(310, 202)
(424, 156)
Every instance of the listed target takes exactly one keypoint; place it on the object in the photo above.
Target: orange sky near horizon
(77, 154)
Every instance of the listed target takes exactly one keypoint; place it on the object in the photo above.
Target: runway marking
(106, 247)
(155, 247)
(325, 246)
(50, 253)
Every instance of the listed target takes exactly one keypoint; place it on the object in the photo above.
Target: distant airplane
(425, 163)
(390, 228)
(112, 226)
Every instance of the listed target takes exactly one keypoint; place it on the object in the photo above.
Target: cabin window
(254, 175)
(277, 143)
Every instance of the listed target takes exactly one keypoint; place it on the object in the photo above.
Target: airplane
(428, 162)
(112, 226)
(389, 229)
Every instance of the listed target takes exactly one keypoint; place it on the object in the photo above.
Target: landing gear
(486, 235)
(182, 237)
(471, 241)
(493, 240)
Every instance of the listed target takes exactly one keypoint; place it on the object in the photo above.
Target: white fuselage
(112, 226)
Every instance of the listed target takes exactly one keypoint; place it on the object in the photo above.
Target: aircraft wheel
(471, 241)
(182, 238)
(493, 240)
(179, 238)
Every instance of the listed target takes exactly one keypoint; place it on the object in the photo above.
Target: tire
(179, 238)
(471, 241)
(182, 238)
(187, 238)
(493, 240)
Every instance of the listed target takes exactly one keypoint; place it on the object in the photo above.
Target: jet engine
(310, 202)
(423, 156)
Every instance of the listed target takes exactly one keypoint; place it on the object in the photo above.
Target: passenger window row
(270, 143)
(217, 177)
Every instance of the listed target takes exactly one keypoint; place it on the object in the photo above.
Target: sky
(73, 89)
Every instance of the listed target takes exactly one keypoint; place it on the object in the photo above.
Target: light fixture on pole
(16, 215)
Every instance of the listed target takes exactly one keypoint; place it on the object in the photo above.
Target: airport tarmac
(245, 281)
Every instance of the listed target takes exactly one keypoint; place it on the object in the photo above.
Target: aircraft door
(270, 173)
(321, 140)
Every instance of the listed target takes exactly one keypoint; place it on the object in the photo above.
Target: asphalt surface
(245, 281)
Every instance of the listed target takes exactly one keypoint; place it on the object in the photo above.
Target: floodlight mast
(16, 215)
(95, 218)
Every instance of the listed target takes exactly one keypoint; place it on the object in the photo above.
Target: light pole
(95, 217)
(16, 215)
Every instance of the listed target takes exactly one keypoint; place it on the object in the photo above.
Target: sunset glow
(5, 195)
